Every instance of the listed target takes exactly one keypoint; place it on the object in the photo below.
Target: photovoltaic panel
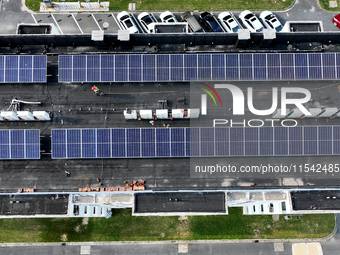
(181, 142)
(183, 67)
(25, 69)
(20, 144)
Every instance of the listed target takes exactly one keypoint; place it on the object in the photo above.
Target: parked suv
(210, 22)
(193, 24)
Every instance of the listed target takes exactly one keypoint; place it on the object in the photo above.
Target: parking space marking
(34, 18)
(119, 25)
(96, 22)
(77, 24)
(56, 23)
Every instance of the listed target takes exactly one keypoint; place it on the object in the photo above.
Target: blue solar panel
(287, 59)
(287, 73)
(163, 135)
(176, 74)
(204, 61)
(79, 61)
(301, 73)
(266, 148)
(325, 133)
(207, 134)
(251, 148)
(260, 60)
(89, 150)
(119, 150)
(329, 73)
(190, 61)
(328, 59)
(236, 134)
(192, 149)
(221, 149)
(163, 61)
(251, 134)
(184, 67)
(190, 74)
(177, 135)
(218, 74)
(204, 74)
(121, 61)
(273, 60)
(260, 73)
(232, 61)
(178, 149)
(148, 135)
(325, 148)
(177, 61)
(232, 74)
(163, 149)
(236, 148)
(133, 150)
(148, 149)
(315, 73)
(336, 147)
(246, 73)
(149, 74)
(310, 147)
(246, 60)
(295, 147)
(218, 61)
(133, 135)
(19, 144)
(181, 142)
(163, 74)
(274, 73)
(221, 134)
(281, 148)
(207, 148)
(314, 59)
(310, 133)
(301, 59)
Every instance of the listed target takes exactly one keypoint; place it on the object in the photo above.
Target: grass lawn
(325, 5)
(124, 227)
(175, 5)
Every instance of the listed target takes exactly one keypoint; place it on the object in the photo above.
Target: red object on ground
(336, 20)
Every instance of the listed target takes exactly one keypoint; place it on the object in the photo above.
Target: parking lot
(81, 23)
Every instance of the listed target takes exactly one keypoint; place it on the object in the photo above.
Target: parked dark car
(210, 22)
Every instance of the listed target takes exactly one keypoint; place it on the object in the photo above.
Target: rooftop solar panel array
(199, 67)
(195, 142)
(26, 68)
(20, 144)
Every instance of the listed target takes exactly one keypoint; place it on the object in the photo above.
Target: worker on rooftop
(97, 91)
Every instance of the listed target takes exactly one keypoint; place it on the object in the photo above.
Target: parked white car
(229, 22)
(127, 22)
(270, 21)
(148, 21)
(168, 17)
(251, 21)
